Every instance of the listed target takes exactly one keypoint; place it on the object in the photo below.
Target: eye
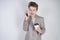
(30, 9)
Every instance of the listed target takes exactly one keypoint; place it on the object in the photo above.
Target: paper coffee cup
(36, 26)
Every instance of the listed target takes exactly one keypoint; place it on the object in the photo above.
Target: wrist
(26, 18)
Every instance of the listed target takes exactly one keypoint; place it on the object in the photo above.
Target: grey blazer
(28, 26)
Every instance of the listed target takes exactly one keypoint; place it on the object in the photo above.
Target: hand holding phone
(26, 15)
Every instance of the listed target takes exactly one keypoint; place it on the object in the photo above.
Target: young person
(33, 24)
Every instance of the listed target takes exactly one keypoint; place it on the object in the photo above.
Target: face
(32, 10)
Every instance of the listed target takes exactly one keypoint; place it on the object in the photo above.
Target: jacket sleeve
(25, 25)
(42, 26)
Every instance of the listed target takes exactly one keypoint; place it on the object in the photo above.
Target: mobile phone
(26, 14)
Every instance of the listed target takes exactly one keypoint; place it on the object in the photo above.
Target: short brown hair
(33, 4)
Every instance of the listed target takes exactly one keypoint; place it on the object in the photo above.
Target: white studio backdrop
(12, 16)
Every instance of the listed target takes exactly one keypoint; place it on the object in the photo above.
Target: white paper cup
(36, 26)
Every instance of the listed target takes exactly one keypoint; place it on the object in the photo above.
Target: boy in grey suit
(30, 21)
